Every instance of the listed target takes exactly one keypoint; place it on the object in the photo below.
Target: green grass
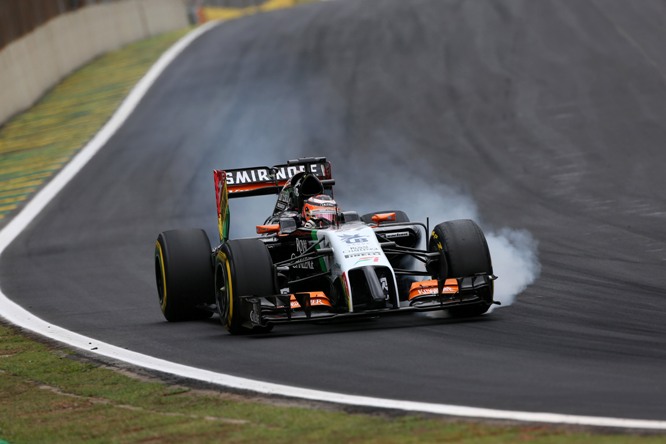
(52, 394)
(36, 144)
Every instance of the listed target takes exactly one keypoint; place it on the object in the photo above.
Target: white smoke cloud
(515, 261)
(514, 252)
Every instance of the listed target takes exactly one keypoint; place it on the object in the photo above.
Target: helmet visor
(320, 213)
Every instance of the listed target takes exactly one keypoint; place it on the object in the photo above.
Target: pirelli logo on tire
(434, 238)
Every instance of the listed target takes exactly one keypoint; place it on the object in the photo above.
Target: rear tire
(184, 274)
(464, 251)
(243, 267)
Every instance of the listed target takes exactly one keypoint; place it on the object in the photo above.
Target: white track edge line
(17, 315)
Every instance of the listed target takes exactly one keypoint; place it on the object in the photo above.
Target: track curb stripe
(19, 316)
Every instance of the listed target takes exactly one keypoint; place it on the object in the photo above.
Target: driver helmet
(320, 208)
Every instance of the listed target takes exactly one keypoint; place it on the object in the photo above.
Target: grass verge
(52, 394)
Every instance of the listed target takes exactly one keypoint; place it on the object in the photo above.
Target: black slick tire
(243, 267)
(184, 274)
(464, 251)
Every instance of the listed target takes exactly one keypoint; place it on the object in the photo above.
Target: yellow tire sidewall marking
(158, 248)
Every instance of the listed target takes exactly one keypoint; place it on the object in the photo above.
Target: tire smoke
(514, 252)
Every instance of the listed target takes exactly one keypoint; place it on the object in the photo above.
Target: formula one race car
(312, 262)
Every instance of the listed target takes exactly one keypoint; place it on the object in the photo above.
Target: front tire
(184, 274)
(243, 267)
(463, 253)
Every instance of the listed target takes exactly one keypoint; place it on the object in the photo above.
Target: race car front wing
(280, 309)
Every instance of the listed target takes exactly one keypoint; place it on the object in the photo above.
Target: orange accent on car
(430, 287)
(317, 299)
(264, 229)
(383, 217)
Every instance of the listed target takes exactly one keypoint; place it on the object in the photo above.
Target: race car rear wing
(261, 181)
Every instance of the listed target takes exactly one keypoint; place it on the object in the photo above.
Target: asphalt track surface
(549, 115)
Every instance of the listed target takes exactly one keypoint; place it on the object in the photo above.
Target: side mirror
(267, 229)
(383, 217)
